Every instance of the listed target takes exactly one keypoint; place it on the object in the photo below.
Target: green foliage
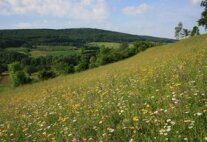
(203, 20)
(63, 68)
(69, 37)
(181, 32)
(195, 31)
(124, 45)
(92, 62)
(29, 69)
(44, 74)
(17, 76)
(178, 30)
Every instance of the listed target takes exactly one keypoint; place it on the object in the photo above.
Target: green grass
(38, 53)
(47, 51)
(106, 44)
(158, 95)
(5, 84)
(56, 48)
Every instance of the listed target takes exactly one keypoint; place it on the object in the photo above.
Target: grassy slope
(157, 95)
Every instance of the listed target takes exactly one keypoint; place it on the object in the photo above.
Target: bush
(44, 75)
(18, 77)
(62, 68)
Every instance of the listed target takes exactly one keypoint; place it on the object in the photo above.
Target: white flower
(198, 114)
(185, 139)
(131, 140)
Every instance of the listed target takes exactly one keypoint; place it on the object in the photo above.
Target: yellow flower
(1, 133)
(135, 119)
(62, 119)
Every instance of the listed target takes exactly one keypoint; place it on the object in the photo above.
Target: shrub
(18, 77)
(44, 75)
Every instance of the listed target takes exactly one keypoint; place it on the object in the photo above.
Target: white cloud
(78, 9)
(136, 10)
(196, 1)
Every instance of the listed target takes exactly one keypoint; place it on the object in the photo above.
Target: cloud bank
(78, 9)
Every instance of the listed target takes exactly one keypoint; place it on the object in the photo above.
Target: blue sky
(142, 17)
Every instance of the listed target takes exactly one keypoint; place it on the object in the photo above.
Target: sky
(141, 17)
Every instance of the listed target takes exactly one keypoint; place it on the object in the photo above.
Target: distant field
(107, 44)
(47, 51)
(56, 48)
(38, 53)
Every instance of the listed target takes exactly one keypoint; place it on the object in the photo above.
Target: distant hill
(77, 37)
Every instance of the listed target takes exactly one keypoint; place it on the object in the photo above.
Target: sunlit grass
(158, 95)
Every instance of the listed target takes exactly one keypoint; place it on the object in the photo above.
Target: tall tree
(195, 31)
(186, 33)
(203, 20)
(178, 30)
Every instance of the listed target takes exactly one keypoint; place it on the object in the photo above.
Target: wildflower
(62, 120)
(168, 128)
(1, 133)
(131, 140)
(198, 114)
(135, 119)
(110, 130)
(168, 120)
(190, 127)
(205, 138)
(173, 122)
(185, 139)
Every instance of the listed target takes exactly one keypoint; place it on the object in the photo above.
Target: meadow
(47, 51)
(108, 44)
(157, 95)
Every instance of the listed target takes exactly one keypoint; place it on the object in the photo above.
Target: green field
(157, 95)
(47, 51)
(106, 44)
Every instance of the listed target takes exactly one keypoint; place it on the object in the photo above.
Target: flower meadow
(158, 95)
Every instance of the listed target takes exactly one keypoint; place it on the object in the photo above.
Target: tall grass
(158, 95)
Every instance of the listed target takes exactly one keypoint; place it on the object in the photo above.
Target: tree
(178, 30)
(195, 31)
(44, 75)
(17, 75)
(84, 62)
(124, 45)
(203, 20)
(186, 33)
(92, 62)
(61, 68)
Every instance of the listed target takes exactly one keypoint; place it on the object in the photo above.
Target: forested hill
(77, 37)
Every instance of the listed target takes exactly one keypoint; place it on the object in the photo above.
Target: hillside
(76, 37)
(157, 95)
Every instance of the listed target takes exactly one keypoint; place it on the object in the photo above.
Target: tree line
(22, 67)
(69, 37)
(181, 32)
